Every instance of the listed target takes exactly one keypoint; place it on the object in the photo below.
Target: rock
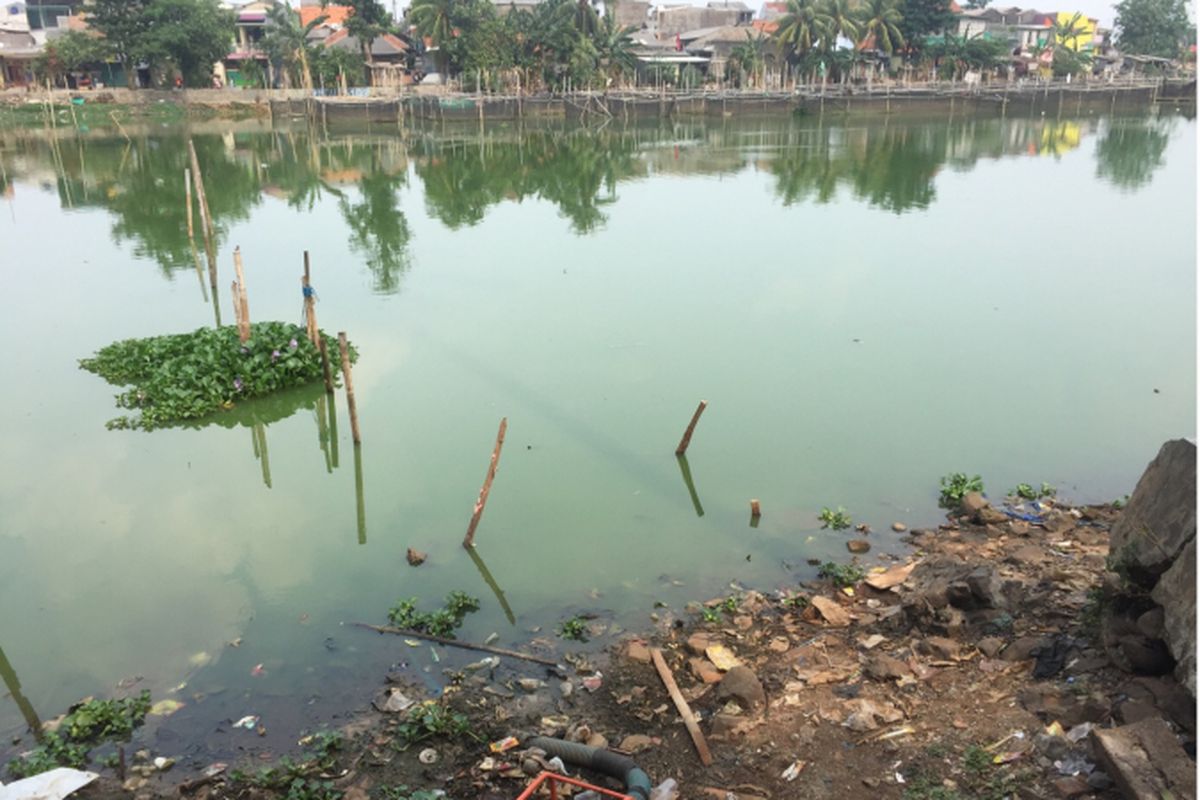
(725, 725)
(1022, 649)
(1146, 656)
(1019, 527)
(704, 670)
(697, 643)
(1058, 523)
(972, 502)
(415, 557)
(1071, 786)
(990, 516)
(1176, 593)
(637, 650)
(1029, 554)
(899, 527)
(392, 701)
(635, 743)
(939, 647)
(883, 667)
(985, 587)
(742, 685)
(1099, 780)
(1145, 760)
(1151, 623)
(858, 545)
(1052, 747)
(1160, 518)
(832, 611)
(530, 684)
(597, 740)
(990, 646)
(1132, 711)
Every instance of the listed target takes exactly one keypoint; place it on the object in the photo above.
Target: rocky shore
(1020, 651)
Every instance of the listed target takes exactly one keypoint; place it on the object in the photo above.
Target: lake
(866, 305)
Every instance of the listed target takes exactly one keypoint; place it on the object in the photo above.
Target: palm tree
(615, 48)
(433, 18)
(843, 21)
(804, 24)
(881, 19)
(748, 56)
(1067, 35)
(287, 41)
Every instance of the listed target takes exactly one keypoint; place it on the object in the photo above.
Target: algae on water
(185, 376)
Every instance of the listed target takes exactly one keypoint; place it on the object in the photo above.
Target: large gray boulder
(1176, 593)
(1160, 519)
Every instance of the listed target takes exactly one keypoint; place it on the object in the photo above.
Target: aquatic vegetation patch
(955, 486)
(185, 376)
(89, 723)
(430, 719)
(574, 628)
(1026, 491)
(442, 622)
(842, 574)
(838, 520)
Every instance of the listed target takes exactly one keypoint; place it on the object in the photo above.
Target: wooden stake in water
(187, 189)
(325, 364)
(687, 434)
(469, 541)
(360, 506)
(344, 347)
(755, 508)
(310, 304)
(242, 301)
(237, 307)
(205, 218)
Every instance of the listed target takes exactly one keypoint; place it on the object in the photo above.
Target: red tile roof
(336, 14)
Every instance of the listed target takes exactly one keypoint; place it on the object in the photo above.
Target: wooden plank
(685, 711)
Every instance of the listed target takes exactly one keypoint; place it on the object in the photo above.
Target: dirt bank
(983, 666)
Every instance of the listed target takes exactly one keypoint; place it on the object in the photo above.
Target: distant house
(18, 49)
(671, 21)
(391, 56)
(631, 13)
(247, 57)
(334, 14)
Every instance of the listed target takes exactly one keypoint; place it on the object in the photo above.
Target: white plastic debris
(53, 785)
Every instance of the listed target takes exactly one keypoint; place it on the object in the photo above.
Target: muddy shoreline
(977, 666)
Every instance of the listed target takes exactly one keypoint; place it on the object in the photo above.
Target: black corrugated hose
(637, 782)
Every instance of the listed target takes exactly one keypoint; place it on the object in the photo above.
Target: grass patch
(842, 574)
(186, 376)
(837, 520)
(442, 622)
(429, 720)
(955, 486)
(88, 724)
(574, 628)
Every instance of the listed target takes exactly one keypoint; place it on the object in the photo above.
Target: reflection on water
(888, 164)
(806, 276)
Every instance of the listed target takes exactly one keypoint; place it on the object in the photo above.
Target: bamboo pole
(469, 541)
(686, 471)
(687, 434)
(187, 189)
(483, 648)
(685, 711)
(345, 352)
(325, 365)
(242, 301)
(360, 506)
(237, 307)
(310, 304)
(205, 218)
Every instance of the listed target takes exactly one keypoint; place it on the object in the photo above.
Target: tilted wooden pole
(685, 711)
(205, 218)
(242, 301)
(469, 541)
(687, 435)
(187, 190)
(344, 347)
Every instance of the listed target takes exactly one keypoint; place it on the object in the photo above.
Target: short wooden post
(325, 365)
(310, 304)
(237, 307)
(687, 434)
(242, 302)
(469, 541)
(345, 351)
(755, 508)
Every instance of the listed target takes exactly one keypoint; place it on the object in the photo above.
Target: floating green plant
(185, 376)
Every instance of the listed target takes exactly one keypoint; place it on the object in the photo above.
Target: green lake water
(866, 305)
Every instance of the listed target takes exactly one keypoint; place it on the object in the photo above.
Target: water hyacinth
(175, 378)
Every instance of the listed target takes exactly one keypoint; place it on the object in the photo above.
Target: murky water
(865, 306)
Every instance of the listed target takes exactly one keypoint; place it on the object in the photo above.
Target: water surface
(865, 305)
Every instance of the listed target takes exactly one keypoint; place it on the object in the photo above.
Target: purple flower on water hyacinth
(274, 354)
(237, 384)
(293, 344)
